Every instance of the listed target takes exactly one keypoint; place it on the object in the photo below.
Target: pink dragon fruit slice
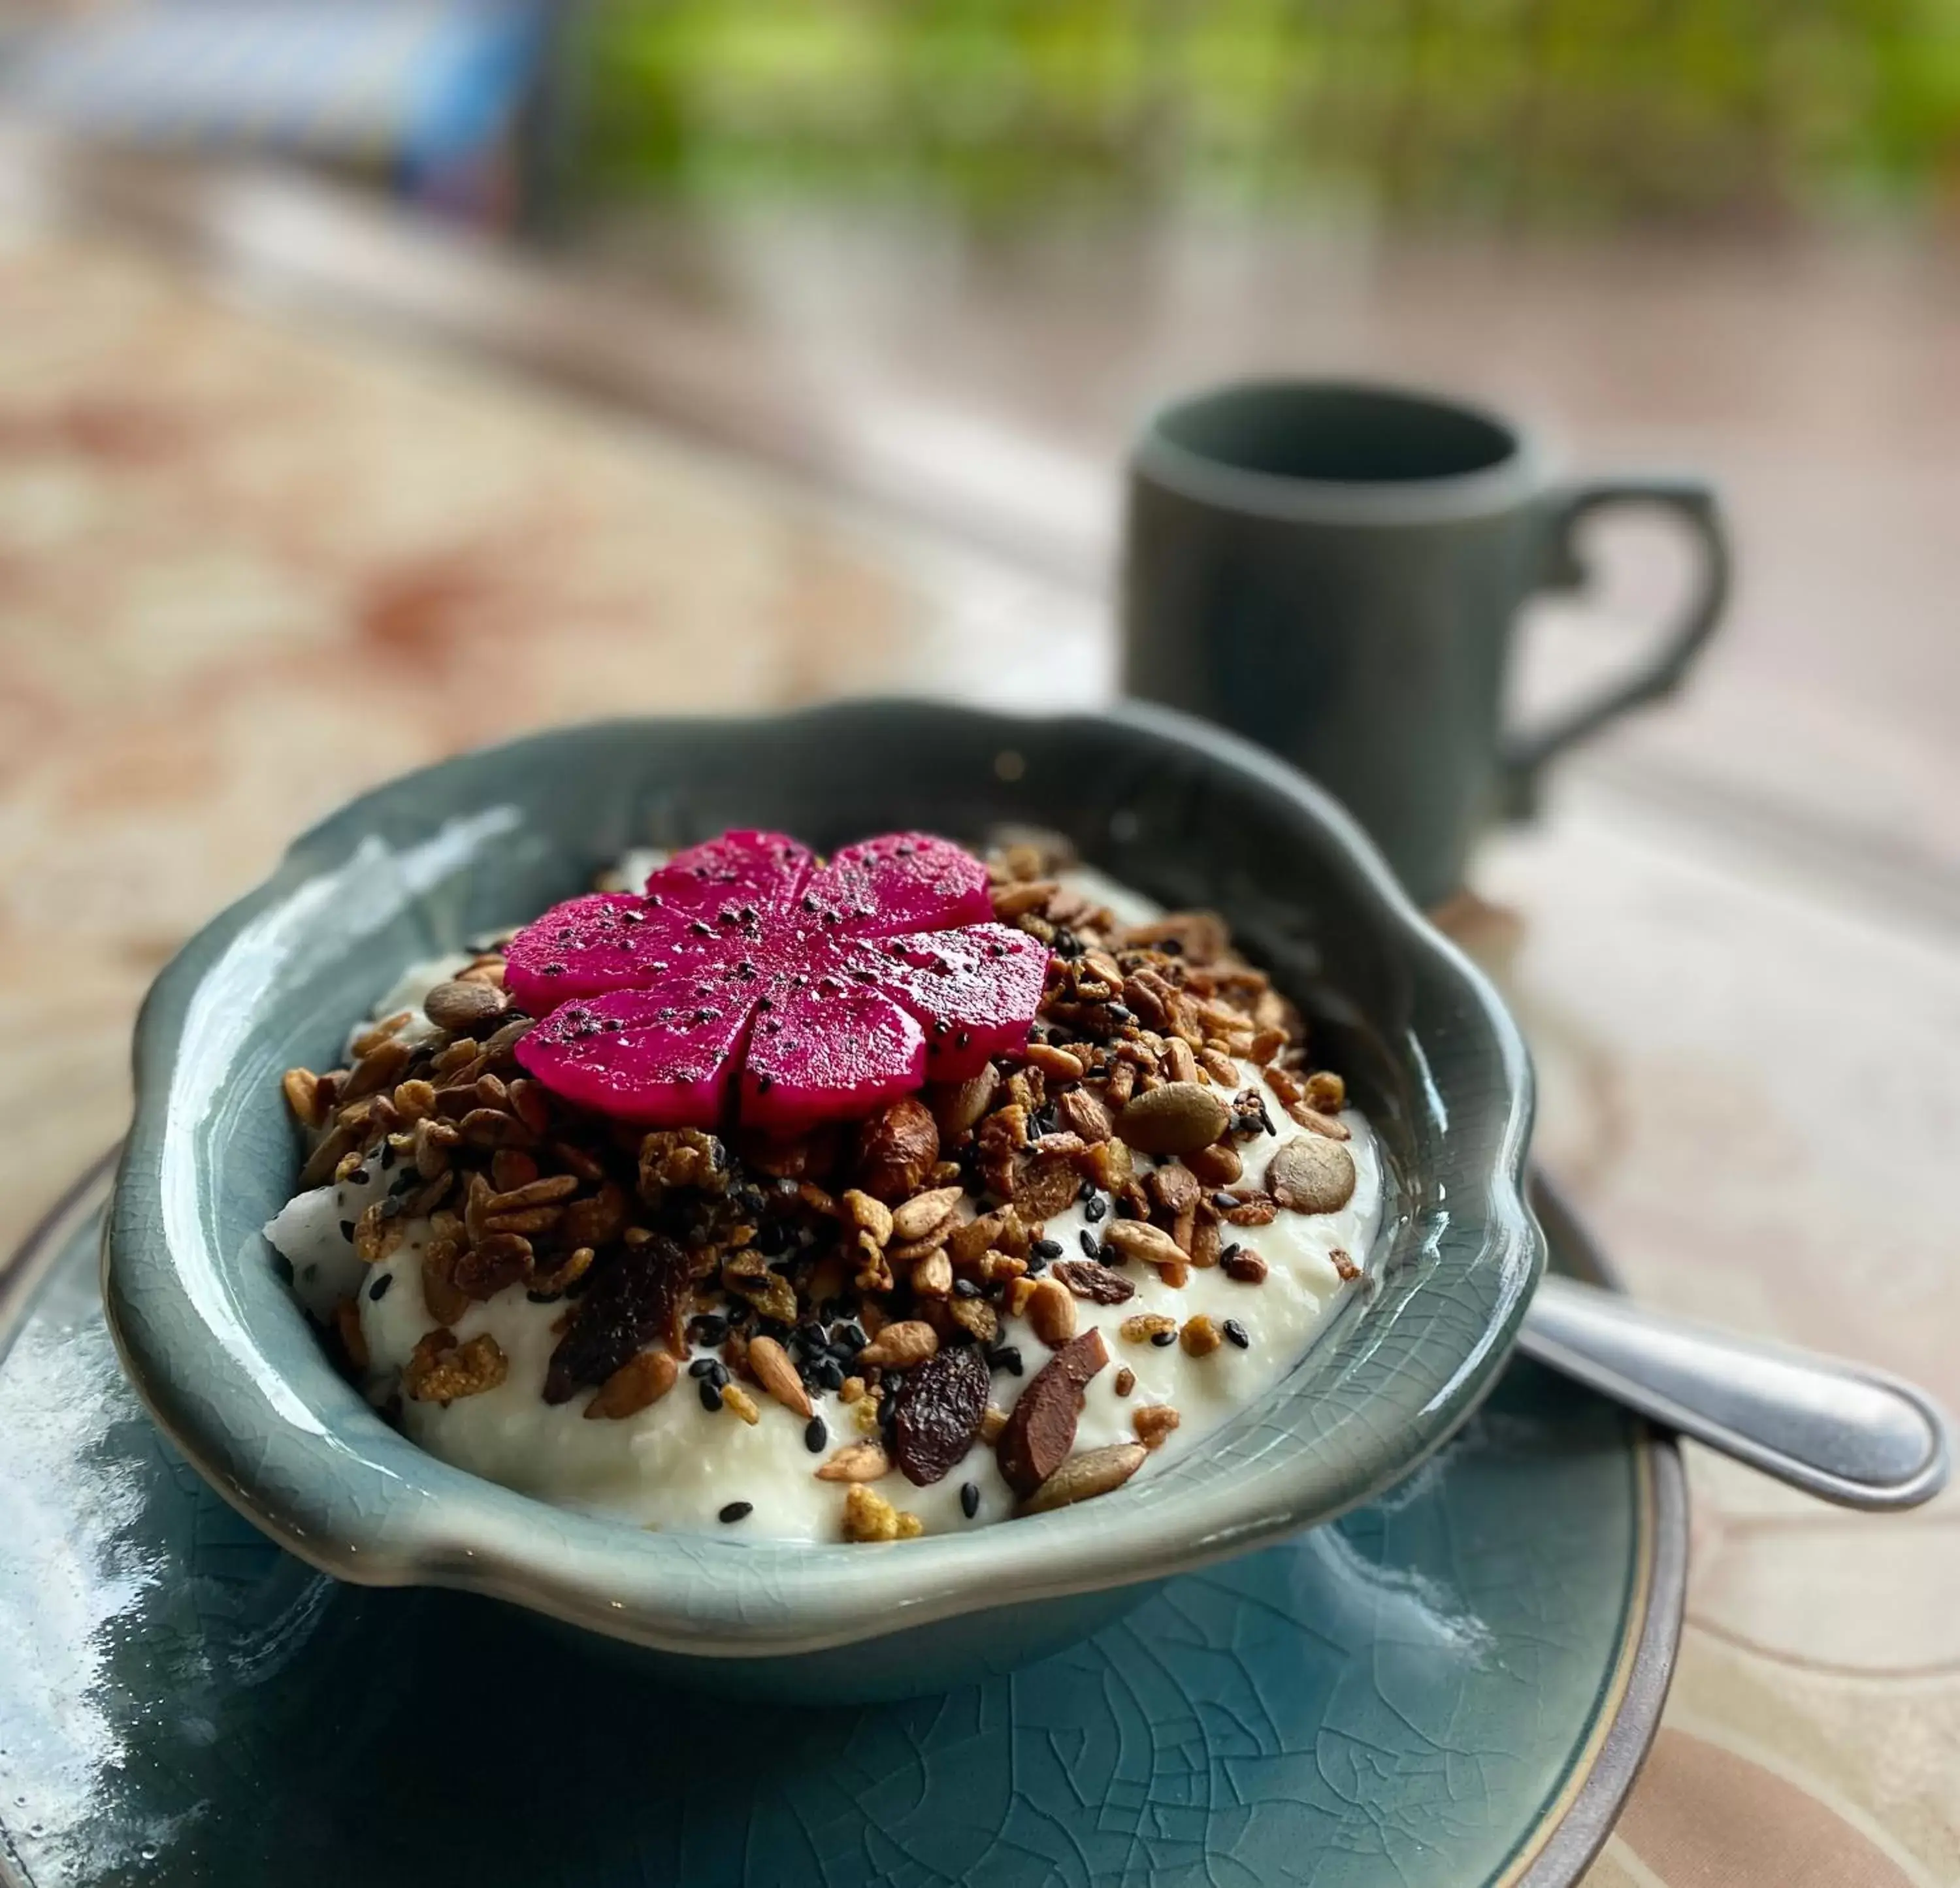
(605, 940)
(733, 883)
(827, 1052)
(900, 881)
(841, 988)
(975, 990)
(662, 1056)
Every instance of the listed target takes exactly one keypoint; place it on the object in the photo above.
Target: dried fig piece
(936, 1413)
(1040, 1429)
(1045, 1188)
(1095, 1283)
(635, 1299)
(896, 1148)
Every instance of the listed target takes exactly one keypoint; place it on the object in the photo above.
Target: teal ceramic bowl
(229, 1367)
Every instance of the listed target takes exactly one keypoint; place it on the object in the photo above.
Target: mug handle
(1694, 502)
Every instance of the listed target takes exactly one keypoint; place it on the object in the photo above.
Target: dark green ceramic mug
(1336, 570)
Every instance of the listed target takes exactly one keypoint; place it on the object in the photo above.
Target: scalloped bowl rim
(376, 1510)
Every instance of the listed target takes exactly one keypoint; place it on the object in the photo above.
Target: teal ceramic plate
(1453, 1686)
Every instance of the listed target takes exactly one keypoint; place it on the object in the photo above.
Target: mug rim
(1160, 459)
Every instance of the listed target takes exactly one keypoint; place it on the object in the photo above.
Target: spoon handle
(1852, 1435)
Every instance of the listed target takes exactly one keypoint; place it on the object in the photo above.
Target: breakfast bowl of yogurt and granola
(843, 1200)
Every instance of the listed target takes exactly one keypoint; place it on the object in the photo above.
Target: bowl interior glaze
(1191, 816)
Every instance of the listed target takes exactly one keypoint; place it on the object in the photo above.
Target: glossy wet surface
(1397, 1697)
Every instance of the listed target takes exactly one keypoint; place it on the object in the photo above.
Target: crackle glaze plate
(1453, 1686)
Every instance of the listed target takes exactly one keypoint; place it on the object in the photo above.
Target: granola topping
(527, 1279)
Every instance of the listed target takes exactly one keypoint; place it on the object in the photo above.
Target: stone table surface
(252, 558)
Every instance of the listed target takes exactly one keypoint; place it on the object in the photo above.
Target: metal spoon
(1855, 1436)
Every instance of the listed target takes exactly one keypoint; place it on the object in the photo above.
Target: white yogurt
(676, 1464)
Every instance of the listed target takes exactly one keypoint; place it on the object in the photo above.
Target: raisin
(937, 1413)
(1097, 1283)
(635, 1298)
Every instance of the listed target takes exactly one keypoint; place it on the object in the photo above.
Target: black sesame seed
(1086, 1190)
(1235, 1333)
(965, 1288)
(816, 1436)
(359, 1177)
(710, 1396)
(347, 1230)
(1005, 1357)
(1091, 1245)
(737, 1510)
(1231, 1252)
(829, 1375)
(388, 1156)
(1047, 1248)
(1163, 1339)
(1224, 1202)
(378, 1289)
(701, 1367)
(970, 1498)
(1119, 1013)
(1097, 1207)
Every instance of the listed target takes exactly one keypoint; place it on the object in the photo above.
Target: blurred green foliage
(1575, 111)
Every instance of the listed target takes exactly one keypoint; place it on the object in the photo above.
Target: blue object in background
(430, 94)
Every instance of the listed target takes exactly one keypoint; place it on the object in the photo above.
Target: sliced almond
(923, 1214)
(1051, 1313)
(1138, 1239)
(1057, 1064)
(771, 1365)
(932, 1277)
(898, 1346)
(864, 1461)
(302, 1092)
(638, 1384)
